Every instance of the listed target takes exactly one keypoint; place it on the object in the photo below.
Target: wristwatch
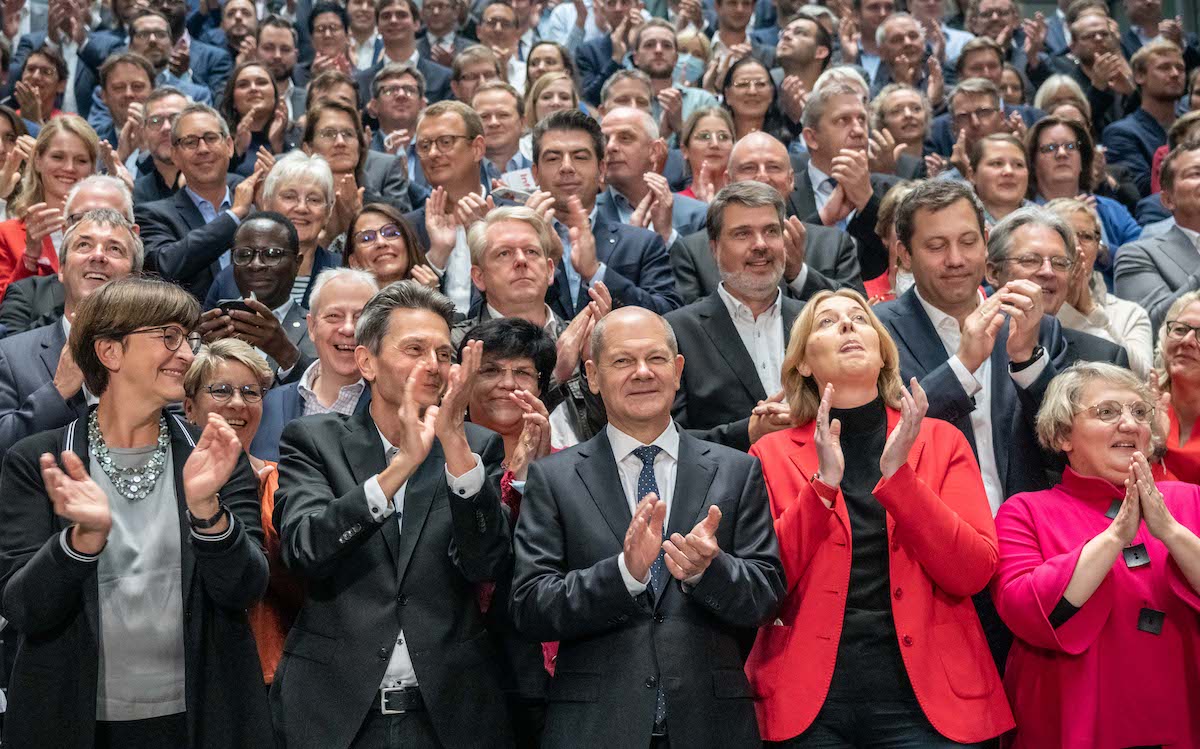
(203, 524)
(1015, 367)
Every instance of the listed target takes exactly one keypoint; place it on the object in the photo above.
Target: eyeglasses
(1034, 263)
(524, 378)
(392, 92)
(192, 142)
(1110, 411)
(331, 134)
(996, 13)
(293, 199)
(1096, 36)
(268, 256)
(222, 392)
(1179, 330)
(444, 143)
(757, 84)
(1052, 148)
(387, 231)
(327, 29)
(983, 113)
(1087, 236)
(902, 109)
(173, 337)
(498, 23)
(144, 34)
(159, 120)
(707, 137)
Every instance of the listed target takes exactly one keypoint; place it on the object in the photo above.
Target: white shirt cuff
(468, 484)
(797, 283)
(1029, 375)
(598, 277)
(377, 501)
(634, 587)
(965, 378)
(518, 486)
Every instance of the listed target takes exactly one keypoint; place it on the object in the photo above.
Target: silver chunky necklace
(133, 483)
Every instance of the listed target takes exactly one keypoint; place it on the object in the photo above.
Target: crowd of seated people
(599, 373)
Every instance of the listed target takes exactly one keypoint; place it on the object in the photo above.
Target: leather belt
(400, 700)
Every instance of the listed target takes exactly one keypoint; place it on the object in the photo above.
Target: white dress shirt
(762, 336)
(70, 53)
(400, 671)
(978, 385)
(629, 467)
(458, 284)
(364, 53)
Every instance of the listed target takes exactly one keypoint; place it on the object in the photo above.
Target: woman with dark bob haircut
(381, 242)
(130, 548)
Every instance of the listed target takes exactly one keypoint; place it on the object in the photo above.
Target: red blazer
(12, 252)
(943, 550)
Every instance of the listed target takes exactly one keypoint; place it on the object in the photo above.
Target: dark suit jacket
(615, 649)
(595, 63)
(872, 254)
(367, 579)
(1132, 141)
(638, 272)
(281, 406)
(942, 134)
(29, 402)
(31, 303)
(1087, 347)
(829, 252)
(385, 180)
(720, 387)
(1155, 272)
(687, 214)
(437, 78)
(922, 355)
(180, 247)
(52, 600)
(461, 42)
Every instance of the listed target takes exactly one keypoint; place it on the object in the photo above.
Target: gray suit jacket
(29, 402)
(1155, 272)
(830, 254)
(385, 180)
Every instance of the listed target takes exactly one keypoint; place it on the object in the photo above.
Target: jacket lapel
(188, 210)
(421, 491)
(364, 454)
(914, 328)
(693, 477)
(293, 325)
(598, 471)
(720, 330)
(1180, 249)
(1003, 398)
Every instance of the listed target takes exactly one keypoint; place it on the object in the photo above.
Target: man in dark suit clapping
(651, 556)
(392, 516)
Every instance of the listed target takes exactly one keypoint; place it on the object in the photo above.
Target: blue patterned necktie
(646, 485)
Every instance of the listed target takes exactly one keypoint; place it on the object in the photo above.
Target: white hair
(648, 124)
(104, 183)
(297, 166)
(352, 275)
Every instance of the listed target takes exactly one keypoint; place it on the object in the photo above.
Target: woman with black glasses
(129, 586)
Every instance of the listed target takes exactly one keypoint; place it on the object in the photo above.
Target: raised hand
(278, 126)
(41, 221)
(958, 154)
(769, 416)
(793, 96)
(851, 40)
(913, 407)
(795, 247)
(414, 439)
(583, 242)
(570, 344)
(12, 17)
(453, 408)
(425, 276)
(29, 99)
(853, 175)
(76, 498)
(1022, 301)
(643, 538)
(441, 55)
(979, 333)
(244, 193)
(935, 84)
(670, 100)
(441, 226)
(534, 441)
(473, 207)
(261, 329)
(708, 183)
(247, 51)
(68, 377)
(1125, 525)
(689, 556)
(1159, 521)
(883, 151)
(831, 463)
(129, 139)
(661, 206)
(209, 467)
(14, 162)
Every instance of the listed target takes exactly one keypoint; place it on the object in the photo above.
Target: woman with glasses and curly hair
(130, 548)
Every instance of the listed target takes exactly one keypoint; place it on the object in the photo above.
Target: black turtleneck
(868, 661)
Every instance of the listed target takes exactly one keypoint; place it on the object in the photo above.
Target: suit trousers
(151, 733)
(893, 724)
(411, 730)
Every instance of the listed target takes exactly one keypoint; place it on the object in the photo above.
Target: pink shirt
(1097, 681)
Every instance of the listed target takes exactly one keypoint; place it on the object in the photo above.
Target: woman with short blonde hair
(884, 530)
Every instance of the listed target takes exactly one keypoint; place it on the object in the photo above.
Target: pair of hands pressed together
(1018, 300)
(685, 556)
(77, 498)
(1142, 501)
(851, 168)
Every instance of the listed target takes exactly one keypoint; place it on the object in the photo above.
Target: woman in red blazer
(885, 533)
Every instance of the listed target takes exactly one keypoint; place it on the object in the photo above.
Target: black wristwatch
(203, 524)
(1015, 367)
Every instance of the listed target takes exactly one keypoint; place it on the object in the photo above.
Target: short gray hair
(353, 275)
(974, 87)
(597, 341)
(1000, 240)
(819, 100)
(477, 234)
(105, 217)
(648, 124)
(749, 194)
(1063, 401)
(297, 166)
(847, 74)
(622, 75)
(881, 30)
(1160, 355)
(197, 108)
(105, 182)
(373, 325)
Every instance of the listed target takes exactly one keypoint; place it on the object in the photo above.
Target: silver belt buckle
(383, 699)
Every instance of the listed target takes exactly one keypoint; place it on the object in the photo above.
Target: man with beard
(1146, 23)
(858, 35)
(655, 53)
(1022, 41)
(191, 59)
(235, 34)
(1158, 70)
(126, 80)
(802, 54)
(442, 40)
(278, 49)
(604, 55)
(734, 338)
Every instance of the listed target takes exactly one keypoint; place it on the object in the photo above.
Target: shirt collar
(816, 176)
(940, 320)
(199, 201)
(738, 309)
(310, 375)
(550, 327)
(281, 312)
(1091, 489)
(623, 445)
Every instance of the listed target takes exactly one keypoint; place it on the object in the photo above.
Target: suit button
(651, 682)
(402, 599)
(899, 594)
(907, 640)
(383, 654)
(659, 618)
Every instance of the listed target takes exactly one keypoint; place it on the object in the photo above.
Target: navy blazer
(688, 215)
(638, 272)
(281, 406)
(1131, 142)
(180, 247)
(29, 402)
(1056, 36)
(594, 59)
(922, 355)
(437, 78)
(942, 134)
